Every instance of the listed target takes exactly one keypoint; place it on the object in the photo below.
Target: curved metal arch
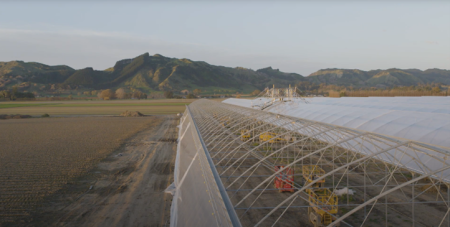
(245, 143)
(223, 139)
(269, 156)
(236, 139)
(368, 142)
(323, 177)
(246, 110)
(268, 123)
(387, 192)
(289, 165)
(279, 150)
(231, 113)
(253, 149)
(343, 167)
(263, 158)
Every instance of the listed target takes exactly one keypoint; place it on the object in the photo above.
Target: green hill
(341, 77)
(379, 78)
(159, 73)
(88, 77)
(18, 71)
(162, 73)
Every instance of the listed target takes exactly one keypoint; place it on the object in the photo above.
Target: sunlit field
(97, 107)
(39, 156)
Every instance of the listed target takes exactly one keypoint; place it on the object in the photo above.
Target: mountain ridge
(379, 77)
(160, 73)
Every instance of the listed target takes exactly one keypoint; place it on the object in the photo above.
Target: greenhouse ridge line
(231, 212)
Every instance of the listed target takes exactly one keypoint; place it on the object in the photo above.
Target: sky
(293, 36)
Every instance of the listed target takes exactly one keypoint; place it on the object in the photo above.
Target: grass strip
(14, 105)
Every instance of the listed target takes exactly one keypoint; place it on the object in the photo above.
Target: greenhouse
(313, 162)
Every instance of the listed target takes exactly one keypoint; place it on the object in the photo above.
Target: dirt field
(127, 189)
(55, 172)
(113, 107)
(97, 107)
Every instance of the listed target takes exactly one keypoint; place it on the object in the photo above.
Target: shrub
(256, 92)
(45, 115)
(107, 94)
(120, 93)
(168, 94)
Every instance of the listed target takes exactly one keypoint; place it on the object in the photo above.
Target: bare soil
(125, 189)
(39, 156)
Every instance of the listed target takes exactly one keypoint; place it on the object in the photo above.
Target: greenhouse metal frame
(386, 181)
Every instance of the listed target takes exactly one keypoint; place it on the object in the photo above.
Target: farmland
(113, 107)
(38, 157)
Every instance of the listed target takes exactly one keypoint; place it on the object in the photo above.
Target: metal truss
(395, 182)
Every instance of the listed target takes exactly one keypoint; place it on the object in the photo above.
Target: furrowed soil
(121, 186)
(95, 107)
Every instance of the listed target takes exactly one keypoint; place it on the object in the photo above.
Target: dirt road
(128, 189)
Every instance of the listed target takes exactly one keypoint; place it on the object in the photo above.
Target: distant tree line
(188, 95)
(121, 94)
(432, 89)
(13, 94)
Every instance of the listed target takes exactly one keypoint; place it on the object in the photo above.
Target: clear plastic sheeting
(419, 162)
(250, 148)
(197, 199)
(423, 119)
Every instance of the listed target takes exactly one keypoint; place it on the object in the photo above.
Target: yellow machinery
(270, 136)
(323, 203)
(245, 135)
(312, 172)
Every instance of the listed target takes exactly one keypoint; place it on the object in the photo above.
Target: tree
(190, 96)
(168, 94)
(14, 90)
(6, 93)
(197, 91)
(99, 95)
(139, 95)
(107, 94)
(70, 97)
(120, 93)
(24, 95)
(94, 92)
(436, 90)
(255, 92)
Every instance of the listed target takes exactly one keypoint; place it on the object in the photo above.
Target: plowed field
(40, 156)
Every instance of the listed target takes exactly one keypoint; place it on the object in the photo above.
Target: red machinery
(284, 180)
